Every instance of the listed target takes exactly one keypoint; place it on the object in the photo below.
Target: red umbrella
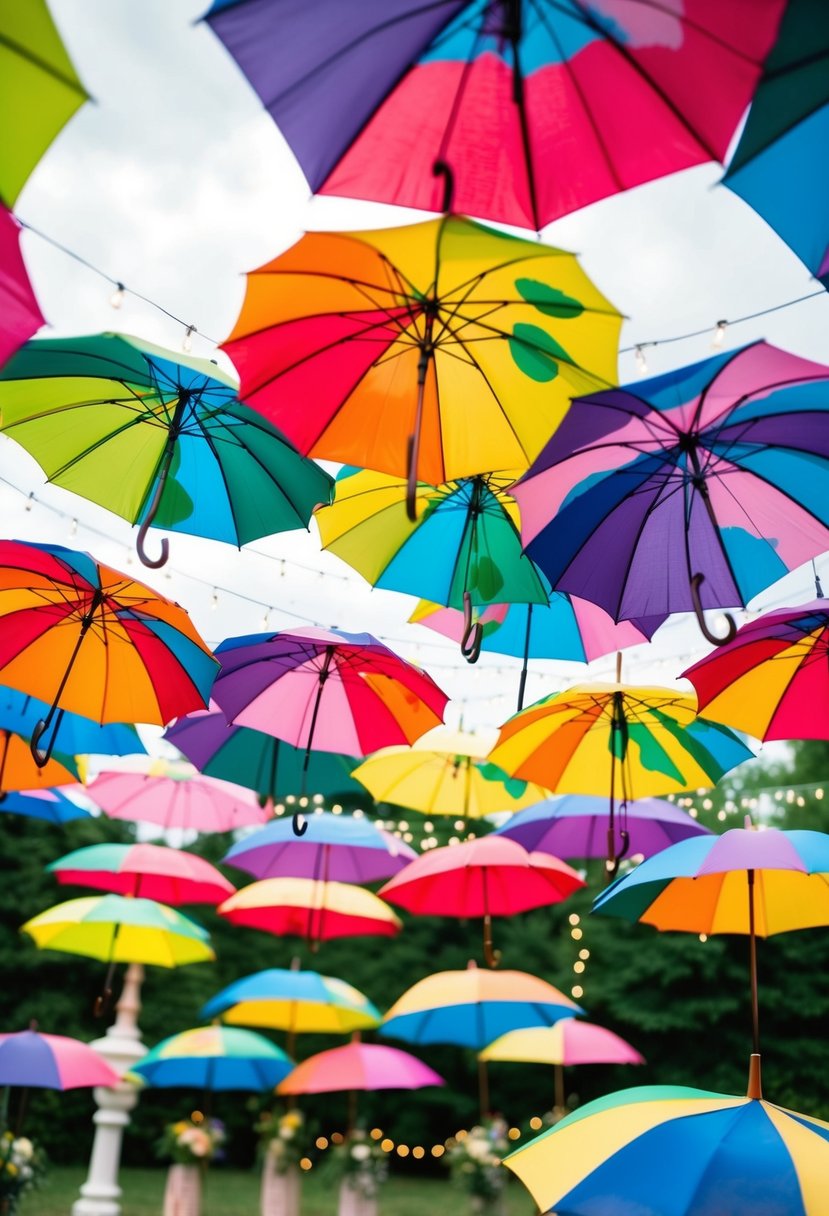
(149, 871)
(18, 306)
(490, 877)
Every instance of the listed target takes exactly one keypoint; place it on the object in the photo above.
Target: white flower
(287, 1133)
(23, 1148)
(360, 1152)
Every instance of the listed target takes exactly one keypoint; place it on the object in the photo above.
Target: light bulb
(187, 340)
(719, 335)
(117, 297)
(641, 361)
(214, 603)
(73, 527)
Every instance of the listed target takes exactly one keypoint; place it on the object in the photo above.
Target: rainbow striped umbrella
(214, 1058)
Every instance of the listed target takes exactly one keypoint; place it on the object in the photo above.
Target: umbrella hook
(442, 168)
(731, 631)
(473, 632)
(155, 563)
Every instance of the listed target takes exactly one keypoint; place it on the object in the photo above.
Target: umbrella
(745, 881)
(39, 91)
(432, 351)
(317, 911)
(368, 1066)
(146, 870)
(301, 1002)
(444, 773)
(214, 1058)
(49, 804)
(75, 735)
(157, 438)
(51, 1061)
(533, 109)
(90, 640)
(463, 550)
(172, 800)
(21, 313)
(335, 847)
(20, 769)
(618, 740)
(772, 679)
(575, 826)
(488, 877)
(326, 689)
(570, 1041)
(692, 490)
(662, 1148)
(250, 757)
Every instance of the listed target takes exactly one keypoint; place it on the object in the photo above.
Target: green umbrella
(157, 438)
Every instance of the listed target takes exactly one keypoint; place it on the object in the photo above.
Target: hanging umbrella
(575, 826)
(336, 847)
(214, 1058)
(531, 110)
(326, 689)
(444, 773)
(300, 1002)
(20, 769)
(90, 640)
(317, 911)
(149, 871)
(692, 490)
(21, 313)
(49, 804)
(619, 741)
(157, 438)
(432, 351)
(368, 1066)
(772, 680)
(52, 1061)
(74, 735)
(173, 800)
(486, 878)
(745, 881)
(667, 1148)
(257, 760)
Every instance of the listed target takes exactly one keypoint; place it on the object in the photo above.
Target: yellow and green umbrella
(301, 1002)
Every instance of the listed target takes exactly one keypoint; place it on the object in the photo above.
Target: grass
(236, 1193)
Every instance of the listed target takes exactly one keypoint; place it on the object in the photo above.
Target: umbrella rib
(74, 85)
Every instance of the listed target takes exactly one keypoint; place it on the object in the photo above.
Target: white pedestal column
(121, 1047)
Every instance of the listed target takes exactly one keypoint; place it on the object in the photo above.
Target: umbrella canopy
(21, 313)
(49, 804)
(367, 1066)
(534, 110)
(570, 1041)
(692, 490)
(772, 680)
(173, 800)
(444, 773)
(337, 847)
(52, 1061)
(156, 437)
(214, 1058)
(659, 1149)
(301, 1002)
(432, 351)
(115, 929)
(21, 770)
(257, 760)
(90, 640)
(75, 735)
(39, 91)
(150, 871)
(575, 826)
(317, 911)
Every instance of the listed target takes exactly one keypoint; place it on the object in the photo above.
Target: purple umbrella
(575, 826)
(692, 490)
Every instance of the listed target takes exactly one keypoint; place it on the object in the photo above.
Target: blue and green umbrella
(215, 1058)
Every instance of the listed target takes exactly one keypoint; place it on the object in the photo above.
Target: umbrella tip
(755, 1089)
(748, 824)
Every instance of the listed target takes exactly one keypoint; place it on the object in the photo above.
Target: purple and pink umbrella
(51, 1061)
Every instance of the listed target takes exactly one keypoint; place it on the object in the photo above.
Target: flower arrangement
(284, 1138)
(475, 1159)
(192, 1141)
(22, 1167)
(360, 1162)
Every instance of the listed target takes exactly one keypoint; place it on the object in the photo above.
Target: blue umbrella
(215, 1058)
(294, 1000)
(74, 734)
(48, 804)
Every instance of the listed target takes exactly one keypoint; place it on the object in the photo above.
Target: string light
(187, 340)
(117, 298)
(719, 335)
(641, 361)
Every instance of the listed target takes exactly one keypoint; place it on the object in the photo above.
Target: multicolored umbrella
(531, 110)
(20, 769)
(326, 689)
(21, 313)
(444, 773)
(52, 1061)
(257, 760)
(49, 804)
(175, 800)
(317, 911)
(662, 1148)
(367, 1066)
(575, 826)
(300, 1002)
(214, 1058)
(692, 490)
(337, 847)
(90, 640)
(75, 735)
(772, 680)
(620, 741)
(433, 351)
(158, 438)
(149, 871)
(488, 877)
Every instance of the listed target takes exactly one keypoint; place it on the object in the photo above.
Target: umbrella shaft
(755, 999)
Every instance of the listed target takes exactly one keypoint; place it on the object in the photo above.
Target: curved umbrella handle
(154, 563)
(441, 168)
(299, 824)
(473, 632)
(41, 758)
(731, 632)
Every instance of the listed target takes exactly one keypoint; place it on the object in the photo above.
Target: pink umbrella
(201, 804)
(149, 871)
(18, 306)
(51, 1061)
(493, 876)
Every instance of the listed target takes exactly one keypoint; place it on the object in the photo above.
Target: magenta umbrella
(18, 306)
(201, 804)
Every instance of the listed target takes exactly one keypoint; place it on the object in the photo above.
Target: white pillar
(121, 1047)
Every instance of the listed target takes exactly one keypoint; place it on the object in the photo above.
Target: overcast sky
(175, 182)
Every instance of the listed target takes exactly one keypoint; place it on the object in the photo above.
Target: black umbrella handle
(731, 631)
(442, 168)
(473, 632)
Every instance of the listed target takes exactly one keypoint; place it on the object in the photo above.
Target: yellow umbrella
(306, 907)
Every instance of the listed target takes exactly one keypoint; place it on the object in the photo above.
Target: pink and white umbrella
(196, 803)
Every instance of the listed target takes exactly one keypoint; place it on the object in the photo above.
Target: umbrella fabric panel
(50, 1061)
(214, 1074)
(569, 1042)
(359, 1066)
(49, 804)
(336, 847)
(202, 804)
(285, 998)
(171, 876)
(75, 735)
(21, 313)
(20, 771)
(473, 1025)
